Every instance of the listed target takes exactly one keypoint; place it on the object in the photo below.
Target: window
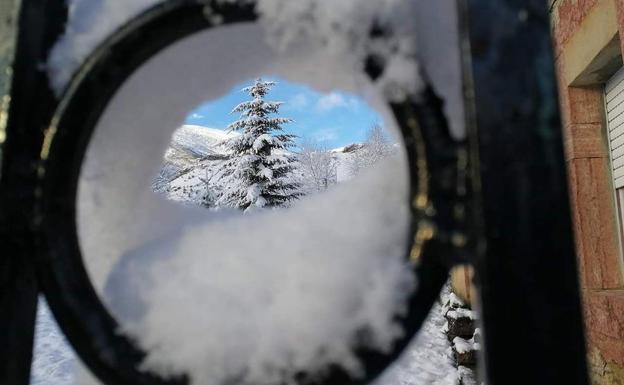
(614, 105)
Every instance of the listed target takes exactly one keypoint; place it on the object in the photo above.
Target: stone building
(588, 53)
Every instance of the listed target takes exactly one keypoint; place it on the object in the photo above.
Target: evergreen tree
(259, 172)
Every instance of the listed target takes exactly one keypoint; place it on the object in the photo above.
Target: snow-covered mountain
(192, 144)
(193, 153)
(198, 140)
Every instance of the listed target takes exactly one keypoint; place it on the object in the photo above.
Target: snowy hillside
(196, 152)
(197, 141)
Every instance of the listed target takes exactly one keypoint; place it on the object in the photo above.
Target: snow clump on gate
(381, 33)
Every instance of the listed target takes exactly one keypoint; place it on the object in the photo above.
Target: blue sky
(331, 120)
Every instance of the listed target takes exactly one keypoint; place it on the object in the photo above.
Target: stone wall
(588, 50)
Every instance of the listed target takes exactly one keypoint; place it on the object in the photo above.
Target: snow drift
(260, 297)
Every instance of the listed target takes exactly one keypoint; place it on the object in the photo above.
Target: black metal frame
(38, 188)
(527, 276)
(18, 284)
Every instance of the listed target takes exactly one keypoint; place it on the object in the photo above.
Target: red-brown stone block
(619, 4)
(569, 15)
(595, 223)
(585, 140)
(586, 104)
(604, 319)
(562, 89)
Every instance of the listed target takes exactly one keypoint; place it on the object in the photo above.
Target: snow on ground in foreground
(54, 361)
(427, 361)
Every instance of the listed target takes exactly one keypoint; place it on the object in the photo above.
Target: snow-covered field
(428, 360)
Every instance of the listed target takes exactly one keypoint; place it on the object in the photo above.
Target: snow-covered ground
(53, 361)
(428, 360)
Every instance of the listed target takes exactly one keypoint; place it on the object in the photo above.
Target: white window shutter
(614, 104)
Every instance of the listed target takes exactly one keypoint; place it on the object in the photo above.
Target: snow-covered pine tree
(259, 172)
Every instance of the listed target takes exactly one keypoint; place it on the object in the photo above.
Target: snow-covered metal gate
(499, 199)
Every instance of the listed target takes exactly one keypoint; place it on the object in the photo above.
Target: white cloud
(197, 116)
(325, 135)
(298, 102)
(335, 100)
